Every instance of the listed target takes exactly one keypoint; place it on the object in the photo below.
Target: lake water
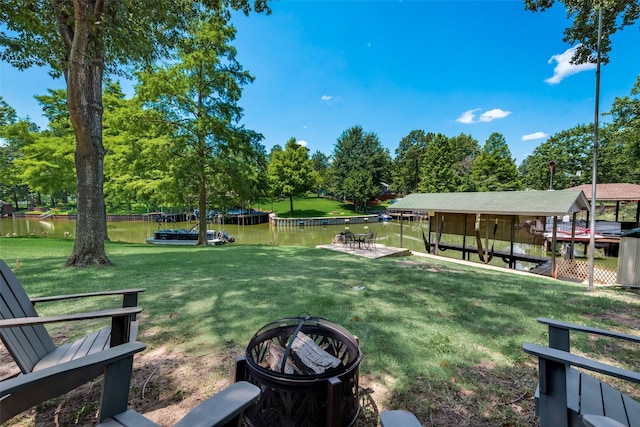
(388, 233)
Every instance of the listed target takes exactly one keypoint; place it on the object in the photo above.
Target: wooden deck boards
(379, 251)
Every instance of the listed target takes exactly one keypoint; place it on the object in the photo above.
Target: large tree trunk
(84, 101)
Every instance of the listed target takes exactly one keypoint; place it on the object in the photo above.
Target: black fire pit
(307, 370)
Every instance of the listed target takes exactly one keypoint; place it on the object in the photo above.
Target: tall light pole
(594, 179)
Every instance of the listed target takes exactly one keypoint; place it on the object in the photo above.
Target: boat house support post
(431, 222)
(438, 219)
(573, 235)
(401, 223)
(512, 262)
(464, 237)
(553, 247)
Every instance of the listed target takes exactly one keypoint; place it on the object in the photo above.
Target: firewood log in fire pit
(310, 357)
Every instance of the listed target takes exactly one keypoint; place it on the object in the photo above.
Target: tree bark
(84, 102)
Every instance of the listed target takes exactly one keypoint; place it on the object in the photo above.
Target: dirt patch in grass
(425, 266)
(628, 319)
(480, 396)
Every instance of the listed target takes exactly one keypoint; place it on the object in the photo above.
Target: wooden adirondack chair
(49, 371)
(567, 396)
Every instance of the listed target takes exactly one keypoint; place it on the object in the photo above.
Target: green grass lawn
(440, 339)
(307, 207)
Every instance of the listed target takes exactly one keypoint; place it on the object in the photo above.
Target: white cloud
(469, 116)
(302, 142)
(326, 98)
(564, 67)
(494, 114)
(535, 135)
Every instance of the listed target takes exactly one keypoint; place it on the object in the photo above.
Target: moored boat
(188, 237)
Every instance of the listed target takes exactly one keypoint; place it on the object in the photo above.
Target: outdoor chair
(567, 396)
(371, 241)
(348, 239)
(48, 370)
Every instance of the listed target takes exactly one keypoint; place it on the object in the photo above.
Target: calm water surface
(138, 231)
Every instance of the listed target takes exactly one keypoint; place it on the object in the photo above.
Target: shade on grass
(442, 337)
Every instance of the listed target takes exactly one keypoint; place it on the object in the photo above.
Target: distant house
(384, 188)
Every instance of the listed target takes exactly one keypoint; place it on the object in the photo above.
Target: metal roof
(535, 203)
(613, 192)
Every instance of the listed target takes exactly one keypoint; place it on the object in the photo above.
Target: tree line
(156, 154)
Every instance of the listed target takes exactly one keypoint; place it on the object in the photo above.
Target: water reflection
(262, 234)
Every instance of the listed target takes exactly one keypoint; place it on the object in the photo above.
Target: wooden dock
(380, 251)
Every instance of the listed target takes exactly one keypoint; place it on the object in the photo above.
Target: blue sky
(472, 67)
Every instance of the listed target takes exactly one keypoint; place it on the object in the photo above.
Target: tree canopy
(495, 169)
(290, 171)
(360, 157)
(447, 164)
(408, 162)
(616, 14)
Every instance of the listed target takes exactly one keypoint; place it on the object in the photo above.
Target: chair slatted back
(26, 344)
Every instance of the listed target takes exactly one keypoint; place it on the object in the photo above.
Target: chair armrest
(30, 321)
(123, 292)
(580, 328)
(600, 421)
(560, 356)
(222, 407)
(46, 375)
(398, 418)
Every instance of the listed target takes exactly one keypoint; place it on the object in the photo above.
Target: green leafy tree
(447, 164)
(138, 163)
(615, 161)
(13, 134)
(47, 164)
(290, 171)
(197, 96)
(625, 129)
(495, 169)
(616, 14)
(81, 40)
(242, 177)
(360, 186)
(407, 165)
(357, 150)
(321, 166)
(570, 150)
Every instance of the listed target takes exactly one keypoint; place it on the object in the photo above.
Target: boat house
(474, 222)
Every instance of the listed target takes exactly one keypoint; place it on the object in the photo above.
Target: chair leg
(115, 388)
